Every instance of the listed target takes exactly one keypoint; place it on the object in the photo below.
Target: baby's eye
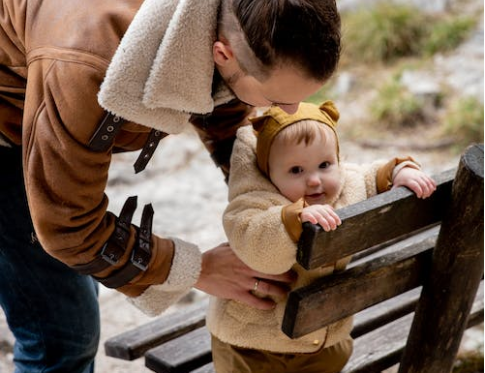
(296, 170)
(324, 164)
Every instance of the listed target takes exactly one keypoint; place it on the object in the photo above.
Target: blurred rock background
(410, 82)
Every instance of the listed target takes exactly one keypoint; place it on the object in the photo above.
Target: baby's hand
(416, 180)
(321, 214)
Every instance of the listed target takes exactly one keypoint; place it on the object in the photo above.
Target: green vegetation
(447, 34)
(396, 107)
(464, 121)
(388, 39)
(390, 31)
(472, 362)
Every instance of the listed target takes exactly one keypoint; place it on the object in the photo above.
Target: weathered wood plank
(456, 271)
(385, 312)
(382, 348)
(134, 343)
(334, 297)
(208, 368)
(380, 250)
(367, 351)
(182, 355)
(365, 321)
(379, 349)
(385, 216)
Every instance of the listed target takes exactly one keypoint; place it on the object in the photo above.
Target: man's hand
(225, 276)
(321, 214)
(416, 180)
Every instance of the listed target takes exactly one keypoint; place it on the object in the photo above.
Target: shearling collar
(163, 68)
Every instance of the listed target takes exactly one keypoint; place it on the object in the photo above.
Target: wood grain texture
(184, 354)
(385, 217)
(134, 343)
(332, 298)
(455, 274)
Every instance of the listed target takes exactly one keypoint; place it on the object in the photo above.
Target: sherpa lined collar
(163, 68)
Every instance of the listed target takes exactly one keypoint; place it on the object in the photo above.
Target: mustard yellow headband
(275, 119)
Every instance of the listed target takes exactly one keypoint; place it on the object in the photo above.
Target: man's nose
(290, 109)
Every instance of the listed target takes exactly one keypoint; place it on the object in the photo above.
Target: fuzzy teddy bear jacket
(254, 227)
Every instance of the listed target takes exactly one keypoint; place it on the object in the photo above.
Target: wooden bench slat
(382, 348)
(391, 246)
(314, 306)
(378, 349)
(208, 368)
(383, 313)
(386, 216)
(160, 358)
(181, 355)
(134, 343)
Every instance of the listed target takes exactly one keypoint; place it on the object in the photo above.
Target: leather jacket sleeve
(65, 180)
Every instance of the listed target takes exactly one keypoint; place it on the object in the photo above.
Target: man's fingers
(285, 278)
(256, 302)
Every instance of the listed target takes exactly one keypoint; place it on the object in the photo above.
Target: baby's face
(310, 171)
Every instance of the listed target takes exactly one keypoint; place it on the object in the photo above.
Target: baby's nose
(313, 179)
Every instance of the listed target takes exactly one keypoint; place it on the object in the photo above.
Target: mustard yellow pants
(232, 359)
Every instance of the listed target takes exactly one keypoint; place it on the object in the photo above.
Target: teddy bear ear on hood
(329, 108)
(259, 122)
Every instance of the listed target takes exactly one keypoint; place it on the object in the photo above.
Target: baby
(287, 173)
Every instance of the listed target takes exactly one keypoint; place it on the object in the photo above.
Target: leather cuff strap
(115, 247)
(105, 134)
(94, 266)
(148, 150)
(140, 255)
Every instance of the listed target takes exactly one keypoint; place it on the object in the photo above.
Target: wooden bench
(415, 284)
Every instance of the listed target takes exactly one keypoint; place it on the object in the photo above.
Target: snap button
(316, 342)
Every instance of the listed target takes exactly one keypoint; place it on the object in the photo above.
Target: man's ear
(222, 52)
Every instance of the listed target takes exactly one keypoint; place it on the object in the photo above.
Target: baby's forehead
(307, 130)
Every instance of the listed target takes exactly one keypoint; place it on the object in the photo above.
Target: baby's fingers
(427, 186)
(431, 186)
(330, 221)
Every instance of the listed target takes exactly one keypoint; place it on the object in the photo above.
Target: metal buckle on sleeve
(140, 258)
(115, 247)
(111, 253)
(141, 254)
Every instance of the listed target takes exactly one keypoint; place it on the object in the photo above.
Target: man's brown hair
(300, 33)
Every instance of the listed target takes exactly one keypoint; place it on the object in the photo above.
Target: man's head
(277, 52)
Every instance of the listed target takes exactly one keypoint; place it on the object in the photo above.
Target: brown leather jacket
(53, 59)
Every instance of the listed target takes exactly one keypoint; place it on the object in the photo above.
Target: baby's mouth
(315, 195)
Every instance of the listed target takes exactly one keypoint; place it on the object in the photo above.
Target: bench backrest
(439, 259)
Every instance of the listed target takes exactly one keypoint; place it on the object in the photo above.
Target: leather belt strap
(148, 149)
(140, 255)
(105, 134)
(115, 247)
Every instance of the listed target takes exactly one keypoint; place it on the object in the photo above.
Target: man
(82, 80)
